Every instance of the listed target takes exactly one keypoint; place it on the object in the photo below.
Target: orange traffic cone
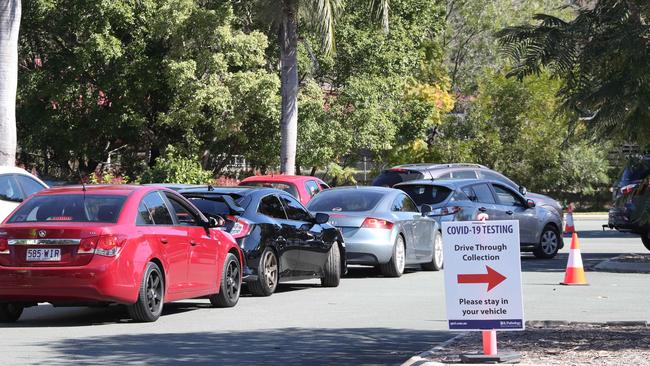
(569, 229)
(575, 273)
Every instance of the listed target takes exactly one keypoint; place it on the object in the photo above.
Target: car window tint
(471, 195)
(312, 187)
(483, 193)
(505, 196)
(9, 190)
(342, 200)
(71, 208)
(459, 196)
(445, 176)
(389, 178)
(486, 174)
(271, 206)
(404, 204)
(294, 209)
(144, 217)
(158, 209)
(184, 216)
(322, 185)
(30, 186)
(464, 174)
(426, 194)
(289, 188)
(409, 205)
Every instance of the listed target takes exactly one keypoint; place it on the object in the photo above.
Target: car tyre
(10, 313)
(645, 238)
(230, 286)
(396, 264)
(267, 274)
(151, 296)
(436, 263)
(332, 271)
(549, 243)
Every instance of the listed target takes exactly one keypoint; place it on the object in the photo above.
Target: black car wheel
(267, 274)
(9, 313)
(549, 243)
(151, 297)
(332, 270)
(396, 264)
(230, 287)
(645, 238)
(437, 260)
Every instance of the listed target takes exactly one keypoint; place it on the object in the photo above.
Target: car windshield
(389, 178)
(289, 188)
(213, 207)
(426, 194)
(70, 208)
(344, 200)
(636, 170)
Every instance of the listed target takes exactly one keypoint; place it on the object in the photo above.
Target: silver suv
(409, 172)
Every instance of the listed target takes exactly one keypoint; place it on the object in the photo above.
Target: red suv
(303, 187)
(140, 246)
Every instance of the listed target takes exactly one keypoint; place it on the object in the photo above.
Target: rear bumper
(621, 220)
(368, 246)
(104, 279)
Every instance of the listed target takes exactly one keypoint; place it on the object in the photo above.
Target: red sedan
(134, 245)
(303, 187)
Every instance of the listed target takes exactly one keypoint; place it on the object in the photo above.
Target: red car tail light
(87, 246)
(109, 245)
(240, 228)
(373, 223)
(4, 246)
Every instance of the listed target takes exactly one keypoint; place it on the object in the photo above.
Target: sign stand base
(505, 356)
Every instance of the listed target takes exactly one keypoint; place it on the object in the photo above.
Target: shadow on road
(289, 346)
(558, 264)
(595, 234)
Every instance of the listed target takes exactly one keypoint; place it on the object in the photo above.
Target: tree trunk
(9, 24)
(288, 37)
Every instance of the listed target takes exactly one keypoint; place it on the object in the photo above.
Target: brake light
(452, 210)
(109, 245)
(4, 246)
(373, 223)
(625, 190)
(240, 227)
(87, 246)
(398, 170)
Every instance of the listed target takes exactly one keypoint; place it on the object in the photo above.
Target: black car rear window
(426, 194)
(212, 207)
(636, 170)
(389, 178)
(344, 200)
(70, 208)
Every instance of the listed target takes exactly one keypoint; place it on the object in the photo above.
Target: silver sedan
(382, 227)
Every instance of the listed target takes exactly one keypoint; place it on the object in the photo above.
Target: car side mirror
(530, 203)
(321, 218)
(426, 210)
(523, 190)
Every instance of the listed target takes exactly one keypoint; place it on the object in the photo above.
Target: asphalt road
(368, 320)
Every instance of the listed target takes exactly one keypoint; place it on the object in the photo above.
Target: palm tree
(320, 16)
(9, 24)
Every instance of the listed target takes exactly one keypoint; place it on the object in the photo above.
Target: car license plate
(43, 255)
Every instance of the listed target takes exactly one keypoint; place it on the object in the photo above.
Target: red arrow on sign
(492, 278)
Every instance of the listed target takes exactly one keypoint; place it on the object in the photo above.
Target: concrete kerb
(615, 265)
(422, 358)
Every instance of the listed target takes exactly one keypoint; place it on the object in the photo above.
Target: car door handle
(509, 212)
(164, 240)
(193, 242)
(482, 209)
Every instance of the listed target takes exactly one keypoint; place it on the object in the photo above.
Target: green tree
(9, 24)
(97, 76)
(602, 57)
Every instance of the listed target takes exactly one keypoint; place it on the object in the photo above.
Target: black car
(280, 239)
(630, 210)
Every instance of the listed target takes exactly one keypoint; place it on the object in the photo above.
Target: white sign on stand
(483, 275)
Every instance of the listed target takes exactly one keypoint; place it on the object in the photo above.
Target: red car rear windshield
(70, 208)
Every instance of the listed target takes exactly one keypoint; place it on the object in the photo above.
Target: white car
(15, 185)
